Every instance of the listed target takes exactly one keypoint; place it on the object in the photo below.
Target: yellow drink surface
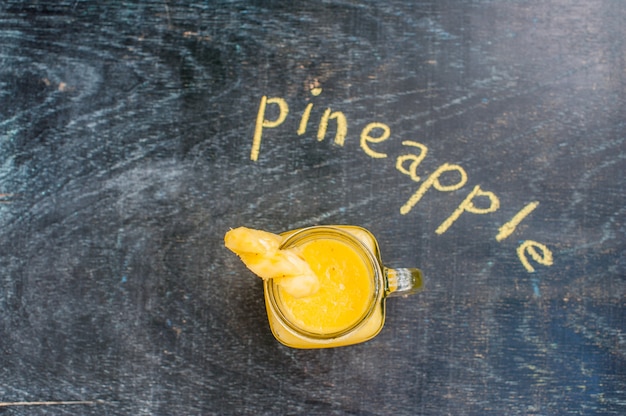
(345, 293)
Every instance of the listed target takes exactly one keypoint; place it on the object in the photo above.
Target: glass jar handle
(403, 282)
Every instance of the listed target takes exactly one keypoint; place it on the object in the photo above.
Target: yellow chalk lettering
(468, 206)
(342, 126)
(415, 160)
(305, 119)
(508, 228)
(433, 181)
(262, 122)
(531, 247)
(307, 112)
(365, 138)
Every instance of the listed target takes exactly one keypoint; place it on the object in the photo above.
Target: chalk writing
(447, 177)
(367, 138)
(531, 247)
(415, 160)
(433, 181)
(262, 122)
(508, 228)
(342, 126)
(468, 206)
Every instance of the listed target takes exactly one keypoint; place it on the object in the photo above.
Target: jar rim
(308, 234)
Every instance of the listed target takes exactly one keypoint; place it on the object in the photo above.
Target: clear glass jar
(350, 306)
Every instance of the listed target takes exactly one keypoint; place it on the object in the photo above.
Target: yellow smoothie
(345, 294)
(347, 309)
(323, 287)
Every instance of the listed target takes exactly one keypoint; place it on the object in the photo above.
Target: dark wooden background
(125, 137)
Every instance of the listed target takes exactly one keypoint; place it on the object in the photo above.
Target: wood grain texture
(125, 138)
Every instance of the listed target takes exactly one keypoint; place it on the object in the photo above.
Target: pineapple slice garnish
(260, 252)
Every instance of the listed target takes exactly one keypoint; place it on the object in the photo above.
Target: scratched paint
(125, 139)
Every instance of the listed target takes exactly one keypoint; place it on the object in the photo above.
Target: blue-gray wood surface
(126, 132)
